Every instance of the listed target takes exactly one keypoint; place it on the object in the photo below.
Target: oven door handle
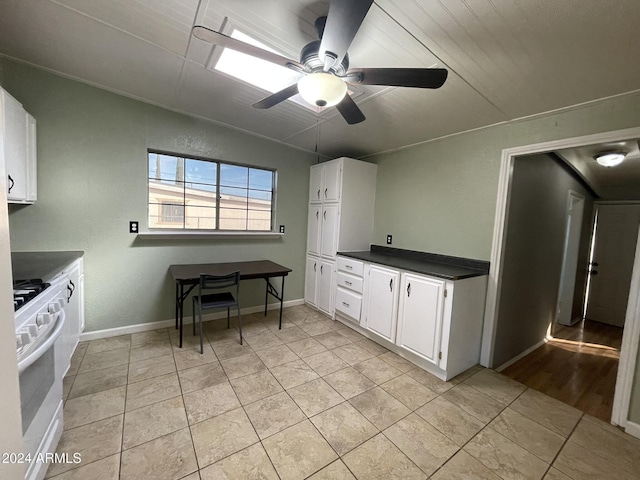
(40, 350)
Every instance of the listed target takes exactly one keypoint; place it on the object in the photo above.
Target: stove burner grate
(26, 290)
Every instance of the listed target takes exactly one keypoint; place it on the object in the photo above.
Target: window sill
(182, 235)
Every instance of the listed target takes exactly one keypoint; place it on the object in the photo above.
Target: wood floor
(578, 367)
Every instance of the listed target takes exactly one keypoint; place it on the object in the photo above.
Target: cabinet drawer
(351, 266)
(350, 282)
(348, 303)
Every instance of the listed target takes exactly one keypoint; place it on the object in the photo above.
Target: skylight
(257, 72)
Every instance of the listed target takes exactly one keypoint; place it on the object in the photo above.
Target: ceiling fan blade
(398, 77)
(277, 97)
(350, 111)
(343, 21)
(217, 38)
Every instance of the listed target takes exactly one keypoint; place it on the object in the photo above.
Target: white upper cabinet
(329, 235)
(18, 138)
(332, 181)
(313, 229)
(325, 182)
(315, 183)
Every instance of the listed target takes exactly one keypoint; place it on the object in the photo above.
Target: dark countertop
(43, 265)
(441, 266)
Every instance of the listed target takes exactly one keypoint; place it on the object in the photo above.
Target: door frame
(628, 353)
(499, 242)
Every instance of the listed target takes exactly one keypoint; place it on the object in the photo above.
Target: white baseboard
(144, 327)
(508, 363)
(632, 429)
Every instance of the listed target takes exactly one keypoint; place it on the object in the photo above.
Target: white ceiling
(506, 58)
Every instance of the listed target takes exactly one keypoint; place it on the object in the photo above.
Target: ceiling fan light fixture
(610, 159)
(322, 89)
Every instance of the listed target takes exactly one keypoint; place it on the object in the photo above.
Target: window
(198, 194)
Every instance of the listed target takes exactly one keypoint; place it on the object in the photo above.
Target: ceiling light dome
(610, 159)
(322, 89)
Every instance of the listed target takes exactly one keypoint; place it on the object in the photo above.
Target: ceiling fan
(325, 63)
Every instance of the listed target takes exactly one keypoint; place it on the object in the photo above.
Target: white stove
(40, 326)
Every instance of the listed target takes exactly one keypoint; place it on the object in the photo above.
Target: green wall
(92, 179)
(440, 196)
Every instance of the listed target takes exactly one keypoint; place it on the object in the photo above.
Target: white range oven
(40, 336)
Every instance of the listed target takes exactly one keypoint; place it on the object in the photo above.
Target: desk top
(253, 269)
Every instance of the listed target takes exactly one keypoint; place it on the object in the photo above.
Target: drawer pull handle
(345, 304)
(346, 282)
(391, 285)
(409, 290)
(348, 267)
(11, 183)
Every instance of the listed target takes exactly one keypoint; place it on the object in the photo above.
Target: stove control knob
(54, 307)
(25, 338)
(33, 331)
(43, 319)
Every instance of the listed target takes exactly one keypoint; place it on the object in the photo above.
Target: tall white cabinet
(341, 205)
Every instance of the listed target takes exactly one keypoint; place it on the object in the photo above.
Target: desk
(187, 278)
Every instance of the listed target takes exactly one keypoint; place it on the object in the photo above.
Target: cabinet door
(310, 284)
(31, 161)
(421, 316)
(74, 313)
(382, 301)
(332, 181)
(315, 184)
(325, 287)
(313, 229)
(15, 147)
(329, 236)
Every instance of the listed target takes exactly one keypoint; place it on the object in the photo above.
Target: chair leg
(240, 324)
(201, 335)
(194, 315)
(228, 319)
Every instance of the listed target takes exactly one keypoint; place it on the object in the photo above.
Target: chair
(209, 301)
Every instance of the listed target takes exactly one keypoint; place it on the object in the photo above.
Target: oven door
(41, 398)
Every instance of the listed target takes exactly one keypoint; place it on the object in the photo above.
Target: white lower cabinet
(421, 315)
(382, 301)
(435, 323)
(311, 281)
(325, 286)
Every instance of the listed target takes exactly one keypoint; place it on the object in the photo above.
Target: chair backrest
(214, 282)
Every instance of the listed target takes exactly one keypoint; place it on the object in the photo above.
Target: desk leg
(177, 300)
(272, 290)
(181, 310)
(281, 302)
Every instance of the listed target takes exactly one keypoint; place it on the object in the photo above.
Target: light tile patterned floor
(313, 400)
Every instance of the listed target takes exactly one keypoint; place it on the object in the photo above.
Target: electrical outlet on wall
(389, 239)
(281, 228)
(133, 227)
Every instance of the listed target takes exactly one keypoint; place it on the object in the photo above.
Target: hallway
(577, 367)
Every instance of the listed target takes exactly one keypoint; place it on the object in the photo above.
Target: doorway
(629, 345)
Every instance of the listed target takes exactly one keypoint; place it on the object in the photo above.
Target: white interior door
(612, 264)
(575, 211)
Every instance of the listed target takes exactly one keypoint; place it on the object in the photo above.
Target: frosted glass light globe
(322, 89)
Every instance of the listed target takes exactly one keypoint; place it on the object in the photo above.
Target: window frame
(184, 231)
